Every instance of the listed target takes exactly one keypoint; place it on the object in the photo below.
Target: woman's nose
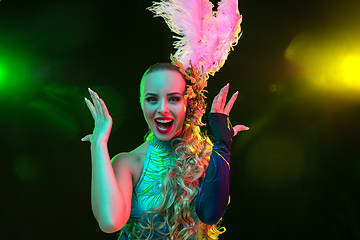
(163, 108)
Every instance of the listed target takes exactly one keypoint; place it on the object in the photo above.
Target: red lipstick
(164, 120)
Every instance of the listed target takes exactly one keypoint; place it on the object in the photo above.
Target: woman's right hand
(102, 119)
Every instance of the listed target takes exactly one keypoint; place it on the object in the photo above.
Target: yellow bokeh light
(328, 62)
(351, 70)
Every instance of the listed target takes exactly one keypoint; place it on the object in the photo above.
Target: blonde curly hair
(181, 186)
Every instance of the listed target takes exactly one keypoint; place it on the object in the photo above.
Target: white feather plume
(205, 37)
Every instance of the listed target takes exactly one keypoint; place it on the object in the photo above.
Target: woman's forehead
(164, 81)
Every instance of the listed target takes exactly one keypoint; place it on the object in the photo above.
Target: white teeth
(163, 121)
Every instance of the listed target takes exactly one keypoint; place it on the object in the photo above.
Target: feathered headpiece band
(204, 42)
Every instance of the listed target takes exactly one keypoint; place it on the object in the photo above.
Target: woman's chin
(166, 136)
(161, 137)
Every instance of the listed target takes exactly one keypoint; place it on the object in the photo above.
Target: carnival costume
(206, 38)
(159, 160)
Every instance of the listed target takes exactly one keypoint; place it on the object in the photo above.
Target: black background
(294, 175)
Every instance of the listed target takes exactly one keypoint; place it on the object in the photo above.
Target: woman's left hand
(218, 106)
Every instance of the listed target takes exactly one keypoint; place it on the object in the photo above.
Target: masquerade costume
(213, 198)
(204, 41)
(147, 192)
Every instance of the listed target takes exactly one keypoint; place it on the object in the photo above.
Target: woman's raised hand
(102, 118)
(218, 106)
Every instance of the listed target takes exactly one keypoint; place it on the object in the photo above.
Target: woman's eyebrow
(151, 94)
(169, 94)
(173, 93)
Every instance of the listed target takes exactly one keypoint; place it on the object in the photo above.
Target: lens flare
(351, 70)
(331, 63)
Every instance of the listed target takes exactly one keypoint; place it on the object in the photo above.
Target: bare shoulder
(132, 157)
(132, 162)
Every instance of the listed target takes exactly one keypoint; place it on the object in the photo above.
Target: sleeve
(213, 197)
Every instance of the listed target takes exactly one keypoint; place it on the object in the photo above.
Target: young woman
(176, 184)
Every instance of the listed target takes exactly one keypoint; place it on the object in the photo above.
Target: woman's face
(163, 104)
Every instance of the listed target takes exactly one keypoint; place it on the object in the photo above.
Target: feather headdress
(204, 42)
(205, 37)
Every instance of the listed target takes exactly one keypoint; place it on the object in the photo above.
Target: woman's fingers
(218, 106)
(100, 107)
(91, 108)
(223, 95)
(230, 103)
(239, 128)
(219, 102)
(104, 109)
(103, 120)
(95, 99)
(87, 138)
(214, 104)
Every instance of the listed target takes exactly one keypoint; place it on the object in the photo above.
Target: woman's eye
(174, 99)
(151, 99)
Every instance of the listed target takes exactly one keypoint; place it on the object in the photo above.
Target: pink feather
(205, 37)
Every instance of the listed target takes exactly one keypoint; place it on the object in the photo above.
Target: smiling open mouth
(164, 126)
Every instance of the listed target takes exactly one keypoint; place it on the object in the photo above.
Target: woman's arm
(111, 203)
(214, 192)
